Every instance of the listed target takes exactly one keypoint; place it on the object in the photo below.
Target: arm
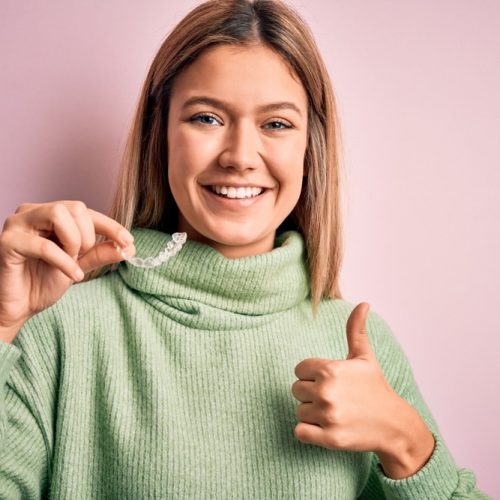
(437, 477)
(26, 409)
(410, 448)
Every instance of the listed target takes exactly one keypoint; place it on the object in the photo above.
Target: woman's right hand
(42, 248)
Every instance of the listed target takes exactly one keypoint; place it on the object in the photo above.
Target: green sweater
(175, 383)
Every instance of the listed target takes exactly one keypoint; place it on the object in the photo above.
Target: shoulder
(339, 310)
(82, 304)
(92, 298)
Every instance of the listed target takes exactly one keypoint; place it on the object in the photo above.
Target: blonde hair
(143, 197)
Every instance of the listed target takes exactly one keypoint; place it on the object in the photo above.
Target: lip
(232, 184)
(231, 203)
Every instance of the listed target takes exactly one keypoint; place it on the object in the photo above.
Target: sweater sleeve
(27, 402)
(440, 478)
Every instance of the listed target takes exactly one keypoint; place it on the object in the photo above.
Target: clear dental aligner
(173, 246)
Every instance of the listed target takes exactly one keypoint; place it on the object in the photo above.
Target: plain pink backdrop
(417, 84)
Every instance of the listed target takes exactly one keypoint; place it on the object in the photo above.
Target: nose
(241, 147)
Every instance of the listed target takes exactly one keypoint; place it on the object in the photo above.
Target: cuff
(438, 478)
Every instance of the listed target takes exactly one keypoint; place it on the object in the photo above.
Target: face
(227, 132)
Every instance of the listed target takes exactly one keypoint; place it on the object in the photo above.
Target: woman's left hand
(348, 404)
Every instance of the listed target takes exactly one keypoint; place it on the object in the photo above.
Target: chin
(234, 237)
(235, 240)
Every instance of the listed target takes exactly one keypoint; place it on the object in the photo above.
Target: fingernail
(119, 249)
(127, 252)
(126, 237)
(79, 274)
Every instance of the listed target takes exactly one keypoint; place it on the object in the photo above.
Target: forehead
(247, 74)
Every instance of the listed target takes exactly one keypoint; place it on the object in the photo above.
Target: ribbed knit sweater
(175, 383)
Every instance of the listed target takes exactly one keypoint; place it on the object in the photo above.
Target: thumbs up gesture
(349, 405)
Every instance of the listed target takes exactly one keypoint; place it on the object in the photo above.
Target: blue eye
(200, 116)
(279, 123)
(204, 119)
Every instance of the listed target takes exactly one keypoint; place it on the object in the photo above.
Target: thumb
(357, 337)
(103, 254)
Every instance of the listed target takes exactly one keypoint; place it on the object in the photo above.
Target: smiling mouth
(237, 193)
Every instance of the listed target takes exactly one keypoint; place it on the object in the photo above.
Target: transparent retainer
(173, 246)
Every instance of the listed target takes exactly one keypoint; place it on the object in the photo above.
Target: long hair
(143, 197)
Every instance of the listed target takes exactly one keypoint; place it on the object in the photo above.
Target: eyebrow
(216, 103)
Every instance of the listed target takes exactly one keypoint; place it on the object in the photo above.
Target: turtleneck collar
(255, 285)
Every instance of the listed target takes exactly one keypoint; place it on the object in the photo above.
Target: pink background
(417, 84)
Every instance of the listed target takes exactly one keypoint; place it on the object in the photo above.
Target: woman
(181, 380)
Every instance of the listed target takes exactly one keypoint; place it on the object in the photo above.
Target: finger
(54, 219)
(36, 247)
(83, 220)
(311, 368)
(110, 228)
(38, 216)
(308, 413)
(25, 206)
(357, 337)
(103, 254)
(303, 390)
(309, 433)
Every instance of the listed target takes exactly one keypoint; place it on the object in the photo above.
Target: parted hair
(142, 196)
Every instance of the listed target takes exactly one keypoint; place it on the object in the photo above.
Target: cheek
(190, 152)
(288, 160)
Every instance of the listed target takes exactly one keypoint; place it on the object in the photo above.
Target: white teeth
(241, 192)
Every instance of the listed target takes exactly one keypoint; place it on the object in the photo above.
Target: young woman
(181, 380)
